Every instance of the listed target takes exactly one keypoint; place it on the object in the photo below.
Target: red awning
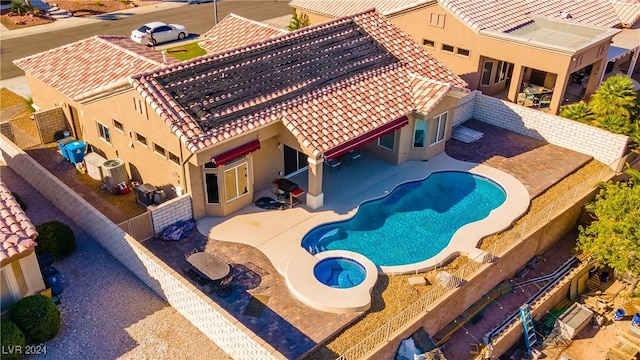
(365, 138)
(237, 152)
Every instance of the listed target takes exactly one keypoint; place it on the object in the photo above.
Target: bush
(55, 238)
(12, 340)
(19, 8)
(37, 316)
(23, 206)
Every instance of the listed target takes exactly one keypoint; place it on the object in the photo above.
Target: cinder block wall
(222, 328)
(5, 129)
(50, 121)
(167, 213)
(601, 144)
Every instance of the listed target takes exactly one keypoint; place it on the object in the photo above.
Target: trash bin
(45, 260)
(636, 320)
(620, 313)
(53, 280)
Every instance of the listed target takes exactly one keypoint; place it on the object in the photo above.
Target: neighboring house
(499, 47)
(223, 126)
(19, 273)
(236, 31)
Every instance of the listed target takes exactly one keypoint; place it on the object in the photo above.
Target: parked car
(160, 32)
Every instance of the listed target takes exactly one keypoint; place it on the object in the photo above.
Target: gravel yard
(107, 313)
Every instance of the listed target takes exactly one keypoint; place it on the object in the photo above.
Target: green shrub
(19, 8)
(37, 316)
(22, 204)
(13, 340)
(55, 238)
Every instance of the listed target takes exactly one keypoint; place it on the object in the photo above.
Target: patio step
(59, 13)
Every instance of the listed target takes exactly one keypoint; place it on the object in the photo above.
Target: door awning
(366, 137)
(236, 152)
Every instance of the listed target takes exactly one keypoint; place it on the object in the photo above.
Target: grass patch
(187, 51)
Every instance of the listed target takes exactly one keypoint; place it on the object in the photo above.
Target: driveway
(108, 313)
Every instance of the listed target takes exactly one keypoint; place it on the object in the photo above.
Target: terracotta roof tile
(236, 31)
(339, 8)
(628, 11)
(17, 233)
(92, 65)
(336, 105)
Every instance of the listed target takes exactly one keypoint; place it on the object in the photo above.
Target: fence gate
(139, 227)
(25, 132)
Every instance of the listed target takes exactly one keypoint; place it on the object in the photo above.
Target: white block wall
(601, 144)
(167, 213)
(222, 328)
(464, 110)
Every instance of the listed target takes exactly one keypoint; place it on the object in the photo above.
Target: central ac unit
(114, 172)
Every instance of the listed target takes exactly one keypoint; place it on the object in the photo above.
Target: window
(387, 141)
(487, 69)
(211, 183)
(174, 158)
(420, 134)
(447, 48)
(437, 20)
(429, 43)
(159, 149)
(141, 139)
(501, 74)
(441, 122)
(118, 125)
(463, 52)
(235, 181)
(103, 132)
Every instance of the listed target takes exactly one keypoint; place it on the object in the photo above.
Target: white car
(160, 32)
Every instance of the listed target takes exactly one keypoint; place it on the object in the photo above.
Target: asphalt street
(198, 18)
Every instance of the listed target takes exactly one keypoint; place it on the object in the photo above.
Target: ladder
(527, 323)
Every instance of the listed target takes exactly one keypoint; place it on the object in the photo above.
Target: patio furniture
(224, 288)
(354, 155)
(333, 164)
(545, 100)
(208, 265)
(190, 252)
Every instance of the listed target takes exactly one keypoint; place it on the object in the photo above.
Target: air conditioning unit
(114, 172)
(94, 162)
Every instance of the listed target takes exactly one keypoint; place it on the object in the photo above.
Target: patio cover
(366, 137)
(623, 43)
(236, 152)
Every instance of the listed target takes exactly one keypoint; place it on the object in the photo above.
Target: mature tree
(614, 96)
(578, 112)
(298, 21)
(613, 238)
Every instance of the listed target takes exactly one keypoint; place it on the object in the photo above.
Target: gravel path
(108, 313)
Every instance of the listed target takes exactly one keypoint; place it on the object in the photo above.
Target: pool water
(339, 272)
(414, 222)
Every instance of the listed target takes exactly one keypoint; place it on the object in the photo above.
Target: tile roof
(339, 8)
(17, 233)
(628, 11)
(90, 66)
(321, 99)
(504, 16)
(497, 15)
(236, 31)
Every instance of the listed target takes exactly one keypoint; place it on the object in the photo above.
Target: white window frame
(463, 55)
(501, 73)
(482, 73)
(103, 132)
(213, 171)
(431, 44)
(441, 128)
(145, 143)
(161, 154)
(453, 48)
(169, 154)
(424, 136)
(115, 121)
(234, 167)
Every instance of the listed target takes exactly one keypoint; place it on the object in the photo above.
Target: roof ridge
(103, 39)
(259, 23)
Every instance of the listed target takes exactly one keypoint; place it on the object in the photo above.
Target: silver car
(158, 32)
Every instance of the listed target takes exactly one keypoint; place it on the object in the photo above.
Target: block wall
(167, 213)
(50, 121)
(222, 328)
(464, 109)
(5, 129)
(601, 144)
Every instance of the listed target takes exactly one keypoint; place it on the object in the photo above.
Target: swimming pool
(339, 272)
(414, 222)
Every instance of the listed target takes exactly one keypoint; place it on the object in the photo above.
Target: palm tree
(614, 96)
(578, 112)
(634, 175)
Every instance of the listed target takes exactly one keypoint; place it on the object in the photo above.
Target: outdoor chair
(354, 155)
(224, 287)
(333, 164)
(191, 252)
(545, 100)
(203, 283)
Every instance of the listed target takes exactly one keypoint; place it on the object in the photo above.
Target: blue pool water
(339, 272)
(412, 223)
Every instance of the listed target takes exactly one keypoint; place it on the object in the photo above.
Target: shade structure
(366, 137)
(236, 152)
